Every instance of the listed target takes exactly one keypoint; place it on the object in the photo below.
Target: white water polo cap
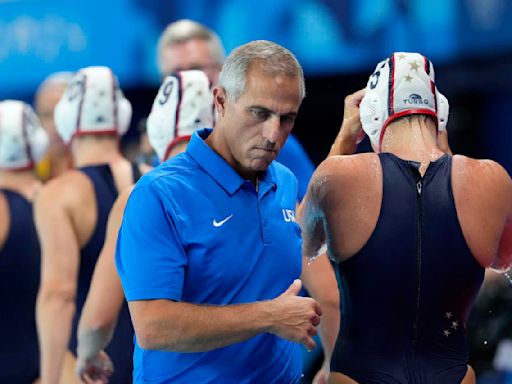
(401, 85)
(23, 140)
(184, 103)
(93, 104)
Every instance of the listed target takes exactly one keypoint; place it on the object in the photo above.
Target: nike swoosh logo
(219, 223)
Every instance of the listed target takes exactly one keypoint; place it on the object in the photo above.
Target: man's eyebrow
(265, 109)
(259, 107)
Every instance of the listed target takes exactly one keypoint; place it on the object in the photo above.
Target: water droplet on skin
(508, 277)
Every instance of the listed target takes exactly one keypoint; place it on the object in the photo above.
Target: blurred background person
(168, 134)
(71, 214)
(58, 158)
(146, 156)
(23, 142)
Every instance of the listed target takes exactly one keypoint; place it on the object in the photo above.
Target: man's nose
(272, 129)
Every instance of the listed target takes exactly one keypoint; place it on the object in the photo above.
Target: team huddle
(192, 271)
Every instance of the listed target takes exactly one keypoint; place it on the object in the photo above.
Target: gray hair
(273, 58)
(184, 30)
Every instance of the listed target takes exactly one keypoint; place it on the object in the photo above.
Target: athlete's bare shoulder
(482, 176)
(70, 188)
(346, 172)
(346, 166)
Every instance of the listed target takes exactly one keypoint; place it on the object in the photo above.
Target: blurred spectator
(47, 96)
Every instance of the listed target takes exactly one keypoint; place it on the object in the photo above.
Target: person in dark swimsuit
(71, 215)
(190, 94)
(23, 142)
(412, 230)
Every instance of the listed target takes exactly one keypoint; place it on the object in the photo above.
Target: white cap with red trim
(23, 141)
(92, 104)
(184, 103)
(401, 85)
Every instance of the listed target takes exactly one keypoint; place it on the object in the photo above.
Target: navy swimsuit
(120, 348)
(20, 266)
(407, 294)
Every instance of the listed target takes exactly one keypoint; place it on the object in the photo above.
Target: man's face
(256, 126)
(191, 54)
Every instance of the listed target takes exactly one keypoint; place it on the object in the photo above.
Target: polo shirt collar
(219, 169)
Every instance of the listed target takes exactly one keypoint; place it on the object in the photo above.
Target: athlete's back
(412, 229)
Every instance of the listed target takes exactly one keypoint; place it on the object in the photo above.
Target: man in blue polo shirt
(187, 44)
(209, 251)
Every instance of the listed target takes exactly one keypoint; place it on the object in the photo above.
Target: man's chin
(261, 165)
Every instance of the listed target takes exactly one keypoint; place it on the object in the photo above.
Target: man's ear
(219, 100)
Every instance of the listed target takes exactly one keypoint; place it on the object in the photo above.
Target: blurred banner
(329, 37)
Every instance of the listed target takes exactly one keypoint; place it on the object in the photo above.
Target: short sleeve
(296, 159)
(150, 258)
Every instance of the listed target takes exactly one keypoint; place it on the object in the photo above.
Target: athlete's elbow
(61, 296)
(330, 302)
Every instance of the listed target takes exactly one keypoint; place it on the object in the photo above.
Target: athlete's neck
(413, 139)
(91, 150)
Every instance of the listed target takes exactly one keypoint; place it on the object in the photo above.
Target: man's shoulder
(279, 170)
(180, 169)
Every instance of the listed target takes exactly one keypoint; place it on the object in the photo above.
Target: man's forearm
(183, 327)
(54, 317)
(199, 328)
(320, 281)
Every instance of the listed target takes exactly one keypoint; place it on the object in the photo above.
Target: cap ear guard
(23, 141)
(184, 103)
(67, 111)
(373, 107)
(92, 104)
(124, 113)
(38, 137)
(443, 110)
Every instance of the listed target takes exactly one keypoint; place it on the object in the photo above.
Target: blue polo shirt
(295, 158)
(195, 231)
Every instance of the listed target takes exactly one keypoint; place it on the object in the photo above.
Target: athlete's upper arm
(504, 257)
(311, 215)
(59, 246)
(101, 309)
